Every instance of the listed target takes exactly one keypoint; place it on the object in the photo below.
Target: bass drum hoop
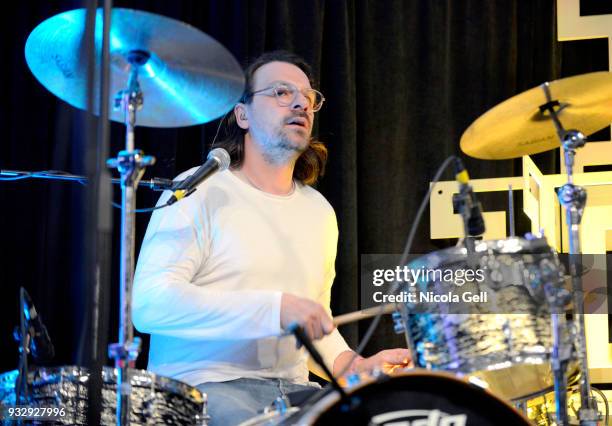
(311, 415)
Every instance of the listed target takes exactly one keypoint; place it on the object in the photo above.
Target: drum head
(422, 398)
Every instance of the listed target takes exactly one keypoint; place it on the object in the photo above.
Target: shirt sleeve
(333, 344)
(166, 302)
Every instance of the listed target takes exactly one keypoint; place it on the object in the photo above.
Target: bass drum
(411, 398)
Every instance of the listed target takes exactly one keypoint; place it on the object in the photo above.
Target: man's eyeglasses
(285, 94)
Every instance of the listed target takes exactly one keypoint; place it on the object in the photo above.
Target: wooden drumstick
(364, 314)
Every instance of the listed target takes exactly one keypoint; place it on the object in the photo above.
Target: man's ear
(241, 116)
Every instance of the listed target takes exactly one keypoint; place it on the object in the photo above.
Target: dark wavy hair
(311, 163)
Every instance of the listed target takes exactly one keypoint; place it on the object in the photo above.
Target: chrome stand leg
(131, 164)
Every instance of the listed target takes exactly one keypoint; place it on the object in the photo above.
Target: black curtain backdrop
(402, 79)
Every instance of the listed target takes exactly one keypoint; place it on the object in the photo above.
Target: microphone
(217, 160)
(41, 346)
(471, 210)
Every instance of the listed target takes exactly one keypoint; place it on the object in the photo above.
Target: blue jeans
(230, 403)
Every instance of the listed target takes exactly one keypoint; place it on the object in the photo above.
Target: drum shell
(507, 341)
(155, 399)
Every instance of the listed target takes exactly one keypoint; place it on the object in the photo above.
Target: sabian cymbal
(516, 127)
(189, 79)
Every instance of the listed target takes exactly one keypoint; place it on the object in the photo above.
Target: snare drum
(155, 399)
(505, 340)
(405, 398)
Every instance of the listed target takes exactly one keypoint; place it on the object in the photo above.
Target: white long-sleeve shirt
(210, 275)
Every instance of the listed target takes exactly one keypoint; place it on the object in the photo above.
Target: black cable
(370, 331)
(396, 285)
(40, 174)
(43, 173)
(146, 210)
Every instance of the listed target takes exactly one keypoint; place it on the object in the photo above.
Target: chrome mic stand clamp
(131, 164)
(573, 198)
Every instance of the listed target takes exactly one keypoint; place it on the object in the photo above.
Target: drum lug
(279, 405)
(204, 418)
(353, 380)
(398, 322)
(148, 409)
(376, 373)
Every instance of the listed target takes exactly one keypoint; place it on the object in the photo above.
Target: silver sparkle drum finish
(7, 388)
(156, 400)
(506, 340)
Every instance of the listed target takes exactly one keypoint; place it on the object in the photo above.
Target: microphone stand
(303, 339)
(21, 388)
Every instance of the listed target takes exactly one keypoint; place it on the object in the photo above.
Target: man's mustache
(299, 114)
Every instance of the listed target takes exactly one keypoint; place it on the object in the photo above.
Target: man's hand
(310, 315)
(387, 361)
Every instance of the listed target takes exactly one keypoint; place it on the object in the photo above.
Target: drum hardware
(511, 211)
(131, 164)
(562, 348)
(541, 408)
(203, 418)
(33, 339)
(280, 405)
(468, 206)
(21, 385)
(398, 322)
(573, 200)
(282, 409)
(271, 417)
(188, 79)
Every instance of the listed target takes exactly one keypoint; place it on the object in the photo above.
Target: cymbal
(516, 127)
(189, 79)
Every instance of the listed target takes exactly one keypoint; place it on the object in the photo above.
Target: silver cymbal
(189, 79)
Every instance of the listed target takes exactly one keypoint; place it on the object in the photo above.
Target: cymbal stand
(131, 164)
(562, 348)
(573, 199)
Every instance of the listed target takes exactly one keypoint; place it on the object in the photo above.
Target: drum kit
(472, 367)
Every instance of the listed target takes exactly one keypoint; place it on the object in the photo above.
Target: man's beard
(284, 146)
(287, 140)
